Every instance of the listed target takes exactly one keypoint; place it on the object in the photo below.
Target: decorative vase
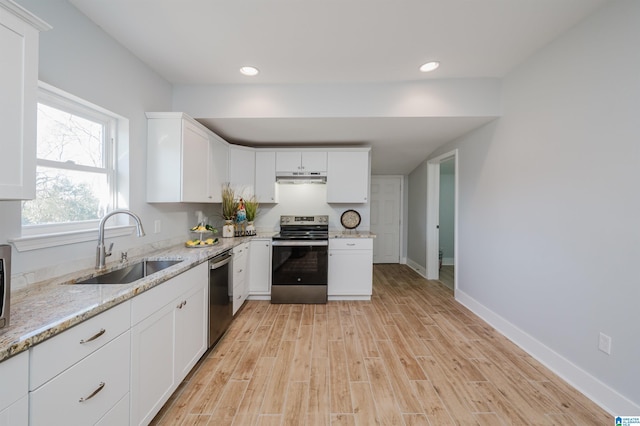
(251, 229)
(228, 230)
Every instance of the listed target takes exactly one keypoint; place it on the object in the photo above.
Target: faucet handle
(108, 252)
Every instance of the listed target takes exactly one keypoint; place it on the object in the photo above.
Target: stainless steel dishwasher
(220, 295)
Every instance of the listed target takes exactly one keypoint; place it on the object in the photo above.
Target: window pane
(66, 196)
(67, 137)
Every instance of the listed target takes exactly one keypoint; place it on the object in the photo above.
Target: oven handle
(293, 243)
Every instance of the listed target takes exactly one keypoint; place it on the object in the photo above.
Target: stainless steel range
(300, 260)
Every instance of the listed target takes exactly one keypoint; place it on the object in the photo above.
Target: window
(75, 176)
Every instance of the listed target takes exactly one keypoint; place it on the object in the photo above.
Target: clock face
(350, 219)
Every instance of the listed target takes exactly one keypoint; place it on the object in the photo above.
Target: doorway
(442, 231)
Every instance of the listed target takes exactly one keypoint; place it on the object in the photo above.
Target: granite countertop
(351, 234)
(47, 308)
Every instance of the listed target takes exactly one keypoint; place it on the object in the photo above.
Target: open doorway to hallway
(442, 218)
(446, 222)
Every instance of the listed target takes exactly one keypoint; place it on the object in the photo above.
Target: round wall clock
(350, 219)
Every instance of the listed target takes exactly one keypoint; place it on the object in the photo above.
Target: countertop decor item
(229, 208)
(350, 219)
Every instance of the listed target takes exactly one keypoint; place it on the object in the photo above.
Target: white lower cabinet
(84, 393)
(14, 400)
(78, 376)
(350, 269)
(240, 275)
(260, 269)
(168, 336)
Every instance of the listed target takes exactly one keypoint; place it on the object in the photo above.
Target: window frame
(50, 235)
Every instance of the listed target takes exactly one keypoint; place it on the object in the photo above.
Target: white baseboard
(607, 398)
(448, 261)
(418, 268)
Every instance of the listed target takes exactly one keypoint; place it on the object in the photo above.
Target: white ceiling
(303, 42)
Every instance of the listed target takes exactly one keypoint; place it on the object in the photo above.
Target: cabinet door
(266, 176)
(348, 177)
(195, 164)
(190, 330)
(288, 161)
(260, 268)
(242, 169)
(14, 404)
(17, 414)
(350, 273)
(152, 361)
(18, 85)
(313, 161)
(219, 166)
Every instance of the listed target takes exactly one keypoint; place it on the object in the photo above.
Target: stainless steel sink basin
(130, 273)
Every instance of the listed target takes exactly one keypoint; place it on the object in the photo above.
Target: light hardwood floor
(411, 356)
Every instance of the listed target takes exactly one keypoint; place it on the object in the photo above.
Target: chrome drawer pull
(100, 387)
(94, 337)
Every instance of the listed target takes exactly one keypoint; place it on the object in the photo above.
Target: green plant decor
(251, 208)
(229, 204)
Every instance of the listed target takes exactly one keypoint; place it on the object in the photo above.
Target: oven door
(297, 262)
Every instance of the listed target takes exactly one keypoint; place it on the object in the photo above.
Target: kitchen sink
(130, 273)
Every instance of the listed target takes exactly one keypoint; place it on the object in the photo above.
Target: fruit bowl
(198, 242)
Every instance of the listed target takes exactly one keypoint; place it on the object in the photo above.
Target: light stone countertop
(351, 234)
(49, 307)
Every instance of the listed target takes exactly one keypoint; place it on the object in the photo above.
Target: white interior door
(386, 208)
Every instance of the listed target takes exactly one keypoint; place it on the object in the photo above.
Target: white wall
(549, 240)
(307, 199)
(78, 57)
(416, 220)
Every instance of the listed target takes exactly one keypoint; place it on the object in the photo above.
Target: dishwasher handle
(220, 260)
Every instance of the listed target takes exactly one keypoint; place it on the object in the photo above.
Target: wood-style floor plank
(410, 356)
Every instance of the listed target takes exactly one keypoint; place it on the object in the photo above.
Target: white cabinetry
(240, 275)
(350, 269)
(179, 160)
(348, 177)
(18, 86)
(79, 376)
(260, 268)
(242, 170)
(220, 164)
(301, 161)
(168, 336)
(14, 404)
(266, 177)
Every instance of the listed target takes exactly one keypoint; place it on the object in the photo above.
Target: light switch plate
(604, 343)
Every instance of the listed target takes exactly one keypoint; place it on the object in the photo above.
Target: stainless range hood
(301, 177)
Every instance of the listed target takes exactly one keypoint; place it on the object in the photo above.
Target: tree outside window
(75, 170)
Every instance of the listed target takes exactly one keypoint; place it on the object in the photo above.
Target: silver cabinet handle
(94, 393)
(94, 337)
(351, 244)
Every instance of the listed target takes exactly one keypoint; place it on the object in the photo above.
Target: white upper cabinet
(220, 164)
(301, 161)
(179, 160)
(266, 177)
(242, 170)
(348, 176)
(19, 33)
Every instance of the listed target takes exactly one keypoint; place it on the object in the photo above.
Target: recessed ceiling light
(250, 71)
(429, 66)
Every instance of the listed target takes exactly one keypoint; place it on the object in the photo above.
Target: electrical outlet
(157, 226)
(604, 343)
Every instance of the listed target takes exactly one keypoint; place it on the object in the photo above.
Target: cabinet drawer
(151, 300)
(55, 355)
(351, 244)
(86, 392)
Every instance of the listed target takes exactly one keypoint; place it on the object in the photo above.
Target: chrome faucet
(101, 252)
